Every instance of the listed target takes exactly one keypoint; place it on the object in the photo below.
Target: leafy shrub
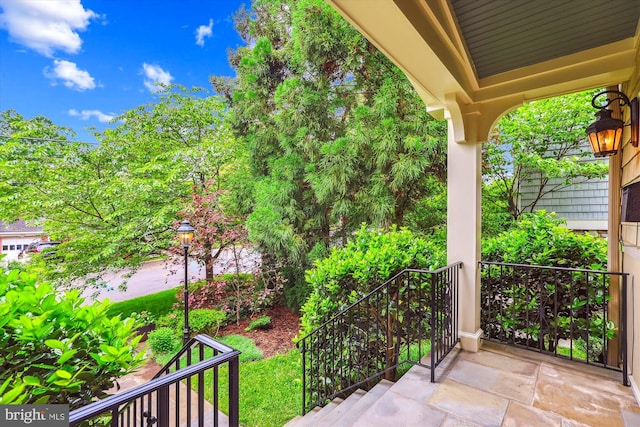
(238, 295)
(247, 346)
(206, 321)
(144, 317)
(171, 320)
(365, 262)
(56, 349)
(262, 322)
(541, 239)
(568, 306)
(163, 340)
(201, 320)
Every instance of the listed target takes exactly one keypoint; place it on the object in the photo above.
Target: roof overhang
(424, 39)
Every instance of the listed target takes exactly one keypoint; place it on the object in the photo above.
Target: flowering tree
(216, 230)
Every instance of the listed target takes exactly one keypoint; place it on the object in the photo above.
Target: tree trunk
(208, 262)
(391, 355)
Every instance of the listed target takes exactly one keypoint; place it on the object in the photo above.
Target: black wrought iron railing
(394, 326)
(569, 313)
(170, 399)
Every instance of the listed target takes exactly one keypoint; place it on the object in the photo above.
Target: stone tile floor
(501, 386)
(498, 386)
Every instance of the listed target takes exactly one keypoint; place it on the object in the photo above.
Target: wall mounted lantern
(185, 233)
(605, 134)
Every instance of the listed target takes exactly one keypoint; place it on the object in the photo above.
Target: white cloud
(204, 31)
(87, 114)
(154, 74)
(46, 26)
(71, 76)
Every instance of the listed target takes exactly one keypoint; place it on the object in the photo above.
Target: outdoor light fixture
(605, 134)
(185, 233)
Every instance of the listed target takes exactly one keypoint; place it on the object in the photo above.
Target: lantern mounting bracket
(605, 113)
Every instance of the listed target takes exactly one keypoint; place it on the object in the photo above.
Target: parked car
(46, 248)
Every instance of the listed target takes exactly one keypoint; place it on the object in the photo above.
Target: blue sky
(81, 62)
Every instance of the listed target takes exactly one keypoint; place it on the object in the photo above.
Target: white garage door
(12, 246)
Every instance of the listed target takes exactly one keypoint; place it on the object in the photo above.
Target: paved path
(157, 276)
(152, 277)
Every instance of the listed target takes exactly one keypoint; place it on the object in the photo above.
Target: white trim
(634, 389)
(20, 233)
(631, 251)
(587, 224)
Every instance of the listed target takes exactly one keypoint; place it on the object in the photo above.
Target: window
(631, 203)
(12, 247)
(5, 247)
(19, 247)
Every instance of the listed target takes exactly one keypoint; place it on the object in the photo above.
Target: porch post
(464, 192)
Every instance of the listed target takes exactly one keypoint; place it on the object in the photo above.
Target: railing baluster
(586, 293)
(149, 404)
(375, 334)
(163, 407)
(234, 393)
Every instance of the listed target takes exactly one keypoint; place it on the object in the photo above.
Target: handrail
(375, 290)
(164, 379)
(203, 339)
(368, 339)
(525, 308)
(550, 267)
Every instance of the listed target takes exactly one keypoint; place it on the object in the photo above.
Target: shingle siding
(583, 201)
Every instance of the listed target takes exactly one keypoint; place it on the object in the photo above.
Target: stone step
(397, 409)
(293, 421)
(339, 413)
(312, 419)
(300, 421)
(351, 416)
(331, 419)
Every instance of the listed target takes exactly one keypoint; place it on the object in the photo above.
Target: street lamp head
(185, 233)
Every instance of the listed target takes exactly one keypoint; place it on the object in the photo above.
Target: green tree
(542, 142)
(114, 204)
(336, 134)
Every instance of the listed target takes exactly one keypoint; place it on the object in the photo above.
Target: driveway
(157, 276)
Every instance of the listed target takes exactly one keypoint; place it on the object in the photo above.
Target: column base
(471, 341)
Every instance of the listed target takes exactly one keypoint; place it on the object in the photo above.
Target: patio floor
(503, 386)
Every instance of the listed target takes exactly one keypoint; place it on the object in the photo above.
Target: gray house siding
(583, 205)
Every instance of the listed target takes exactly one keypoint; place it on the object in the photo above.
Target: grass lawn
(157, 304)
(577, 353)
(270, 390)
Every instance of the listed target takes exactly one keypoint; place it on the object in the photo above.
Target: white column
(464, 192)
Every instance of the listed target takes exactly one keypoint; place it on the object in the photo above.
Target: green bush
(54, 348)
(367, 261)
(568, 306)
(247, 346)
(201, 321)
(172, 320)
(206, 321)
(541, 239)
(262, 322)
(163, 340)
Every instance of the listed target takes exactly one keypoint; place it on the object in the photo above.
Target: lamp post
(185, 233)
